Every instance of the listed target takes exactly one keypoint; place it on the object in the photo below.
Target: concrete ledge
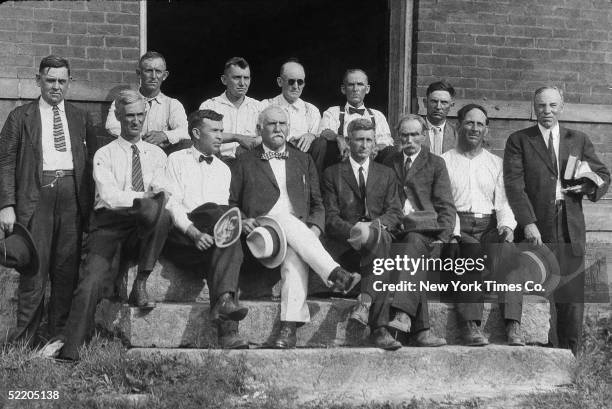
(362, 375)
(187, 325)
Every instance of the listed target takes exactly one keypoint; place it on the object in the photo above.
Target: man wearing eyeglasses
(165, 124)
(333, 146)
(304, 118)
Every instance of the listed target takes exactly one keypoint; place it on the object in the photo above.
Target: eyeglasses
(292, 82)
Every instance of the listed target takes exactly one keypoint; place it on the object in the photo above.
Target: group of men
(330, 193)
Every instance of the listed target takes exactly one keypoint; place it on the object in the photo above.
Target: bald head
(291, 80)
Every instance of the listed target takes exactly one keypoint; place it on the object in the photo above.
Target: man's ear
(195, 132)
(223, 80)
(38, 80)
(279, 81)
(343, 89)
(367, 89)
(165, 75)
(117, 114)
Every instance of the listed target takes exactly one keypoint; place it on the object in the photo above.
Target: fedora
(18, 251)
(220, 221)
(268, 242)
(422, 221)
(541, 265)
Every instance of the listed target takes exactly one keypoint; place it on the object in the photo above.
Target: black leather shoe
(228, 337)
(139, 297)
(513, 333)
(226, 309)
(473, 336)
(343, 281)
(287, 337)
(381, 338)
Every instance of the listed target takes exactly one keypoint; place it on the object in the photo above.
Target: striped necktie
(137, 183)
(552, 153)
(58, 131)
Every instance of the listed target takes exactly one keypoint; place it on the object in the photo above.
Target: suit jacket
(449, 139)
(344, 206)
(21, 159)
(254, 189)
(530, 181)
(427, 186)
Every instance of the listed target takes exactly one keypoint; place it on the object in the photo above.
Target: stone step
(364, 375)
(174, 325)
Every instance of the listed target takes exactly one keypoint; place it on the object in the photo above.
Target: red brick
(113, 29)
(491, 62)
(472, 72)
(69, 52)
(461, 39)
(105, 76)
(33, 25)
(423, 69)
(26, 72)
(581, 24)
(463, 82)
(601, 46)
(7, 49)
(541, 55)
(79, 63)
(491, 84)
(538, 32)
(51, 14)
(522, 20)
(96, 41)
(493, 18)
(509, 30)
(119, 65)
(122, 18)
(103, 5)
(506, 74)
(505, 52)
(45, 38)
(22, 60)
(431, 37)
(87, 17)
(8, 25)
(468, 28)
(596, 35)
(15, 37)
(70, 28)
(129, 78)
(121, 41)
(128, 30)
(476, 94)
(432, 59)
(447, 71)
(536, 75)
(566, 77)
(130, 54)
(8, 72)
(520, 64)
(103, 53)
(130, 7)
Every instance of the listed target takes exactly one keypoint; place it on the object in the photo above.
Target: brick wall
(100, 39)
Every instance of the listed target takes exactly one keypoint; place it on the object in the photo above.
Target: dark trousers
(57, 231)
(567, 301)
(220, 266)
(112, 229)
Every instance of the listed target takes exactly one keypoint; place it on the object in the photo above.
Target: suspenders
(341, 118)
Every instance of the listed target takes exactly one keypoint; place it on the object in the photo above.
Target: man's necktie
(437, 146)
(362, 191)
(58, 131)
(208, 159)
(359, 111)
(137, 183)
(271, 154)
(551, 152)
(407, 165)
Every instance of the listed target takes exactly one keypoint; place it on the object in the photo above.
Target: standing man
(196, 176)
(549, 209)
(239, 111)
(46, 148)
(441, 135)
(277, 180)
(333, 128)
(128, 216)
(165, 122)
(484, 217)
(304, 118)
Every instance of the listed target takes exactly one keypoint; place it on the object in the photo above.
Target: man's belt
(475, 215)
(60, 173)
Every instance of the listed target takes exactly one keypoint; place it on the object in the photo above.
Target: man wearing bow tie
(441, 135)
(195, 176)
(332, 145)
(278, 180)
(46, 150)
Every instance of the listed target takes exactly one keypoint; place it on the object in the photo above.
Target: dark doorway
(327, 36)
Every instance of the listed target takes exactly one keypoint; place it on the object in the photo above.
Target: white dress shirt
(192, 183)
(555, 133)
(52, 158)
(283, 204)
(477, 185)
(241, 120)
(162, 114)
(355, 166)
(435, 146)
(112, 172)
(331, 120)
(303, 116)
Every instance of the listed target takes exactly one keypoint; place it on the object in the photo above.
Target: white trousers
(304, 249)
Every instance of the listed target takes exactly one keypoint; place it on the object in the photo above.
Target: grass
(106, 377)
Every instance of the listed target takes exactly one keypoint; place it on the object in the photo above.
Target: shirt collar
(127, 146)
(544, 132)
(196, 154)
(298, 105)
(431, 126)
(266, 149)
(356, 166)
(159, 98)
(412, 157)
(347, 106)
(42, 104)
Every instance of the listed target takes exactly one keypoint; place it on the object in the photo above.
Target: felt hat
(220, 221)
(18, 251)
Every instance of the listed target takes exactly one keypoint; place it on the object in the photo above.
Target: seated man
(278, 180)
(362, 194)
(331, 146)
(165, 121)
(195, 176)
(127, 213)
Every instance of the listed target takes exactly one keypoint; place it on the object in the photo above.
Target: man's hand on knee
(7, 219)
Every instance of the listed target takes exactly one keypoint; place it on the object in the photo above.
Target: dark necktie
(271, 154)
(360, 111)
(362, 191)
(208, 159)
(137, 183)
(551, 152)
(407, 165)
(58, 131)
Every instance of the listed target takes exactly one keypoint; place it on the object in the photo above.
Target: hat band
(536, 260)
(264, 242)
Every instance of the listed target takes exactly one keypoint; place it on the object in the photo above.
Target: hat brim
(222, 240)
(277, 259)
(32, 267)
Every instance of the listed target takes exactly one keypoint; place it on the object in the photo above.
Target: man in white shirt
(195, 177)
(304, 118)
(331, 146)
(165, 121)
(239, 111)
(441, 135)
(128, 214)
(484, 217)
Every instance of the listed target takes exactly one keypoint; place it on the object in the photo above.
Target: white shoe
(51, 349)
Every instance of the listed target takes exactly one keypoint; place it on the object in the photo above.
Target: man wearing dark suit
(46, 150)
(441, 136)
(549, 208)
(280, 181)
